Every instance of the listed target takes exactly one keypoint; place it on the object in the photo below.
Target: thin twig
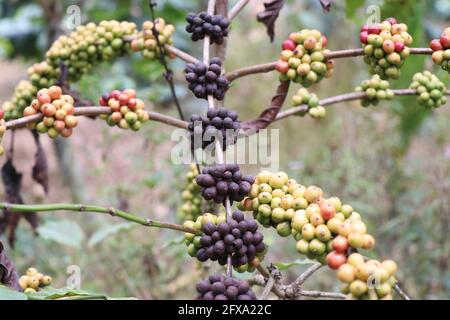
(98, 110)
(267, 289)
(400, 292)
(30, 208)
(270, 66)
(322, 294)
(162, 59)
(181, 54)
(342, 98)
(234, 11)
(305, 275)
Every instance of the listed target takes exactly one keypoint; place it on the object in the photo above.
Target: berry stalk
(22, 208)
(270, 66)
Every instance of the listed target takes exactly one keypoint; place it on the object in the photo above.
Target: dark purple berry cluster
(238, 237)
(219, 123)
(220, 287)
(207, 80)
(203, 24)
(224, 180)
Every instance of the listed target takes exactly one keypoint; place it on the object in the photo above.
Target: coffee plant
(323, 228)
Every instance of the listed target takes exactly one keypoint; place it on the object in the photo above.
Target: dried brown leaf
(269, 114)
(269, 16)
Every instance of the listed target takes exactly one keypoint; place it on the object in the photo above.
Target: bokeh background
(390, 162)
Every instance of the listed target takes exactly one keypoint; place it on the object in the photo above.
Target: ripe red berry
(375, 29)
(44, 98)
(340, 244)
(123, 99)
(391, 20)
(324, 41)
(282, 66)
(363, 36)
(436, 45)
(132, 103)
(2, 113)
(288, 45)
(116, 94)
(130, 92)
(327, 211)
(399, 46)
(445, 41)
(365, 28)
(102, 102)
(335, 260)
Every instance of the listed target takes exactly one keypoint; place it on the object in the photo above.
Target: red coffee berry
(2, 113)
(445, 41)
(335, 260)
(324, 41)
(375, 29)
(436, 45)
(399, 46)
(363, 36)
(365, 28)
(391, 20)
(288, 45)
(282, 66)
(327, 211)
(340, 244)
(123, 99)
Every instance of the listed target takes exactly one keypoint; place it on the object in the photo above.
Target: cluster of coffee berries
(430, 89)
(303, 97)
(33, 281)
(302, 59)
(385, 47)
(2, 131)
(238, 237)
(86, 46)
(376, 90)
(57, 110)
(22, 96)
(203, 24)
(221, 123)
(224, 180)
(303, 212)
(367, 280)
(220, 287)
(207, 80)
(127, 111)
(146, 41)
(441, 50)
(192, 197)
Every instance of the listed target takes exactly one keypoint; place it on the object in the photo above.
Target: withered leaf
(40, 167)
(269, 16)
(8, 272)
(269, 114)
(12, 180)
(326, 5)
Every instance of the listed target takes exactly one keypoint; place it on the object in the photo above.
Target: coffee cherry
(385, 48)
(430, 90)
(376, 90)
(203, 24)
(302, 59)
(207, 80)
(219, 287)
(335, 260)
(346, 273)
(222, 124)
(238, 237)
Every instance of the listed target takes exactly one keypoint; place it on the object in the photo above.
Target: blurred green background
(390, 162)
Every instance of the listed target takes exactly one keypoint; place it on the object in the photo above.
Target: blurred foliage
(391, 163)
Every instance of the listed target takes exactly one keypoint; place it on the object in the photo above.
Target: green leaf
(65, 232)
(50, 293)
(9, 294)
(107, 231)
(298, 262)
